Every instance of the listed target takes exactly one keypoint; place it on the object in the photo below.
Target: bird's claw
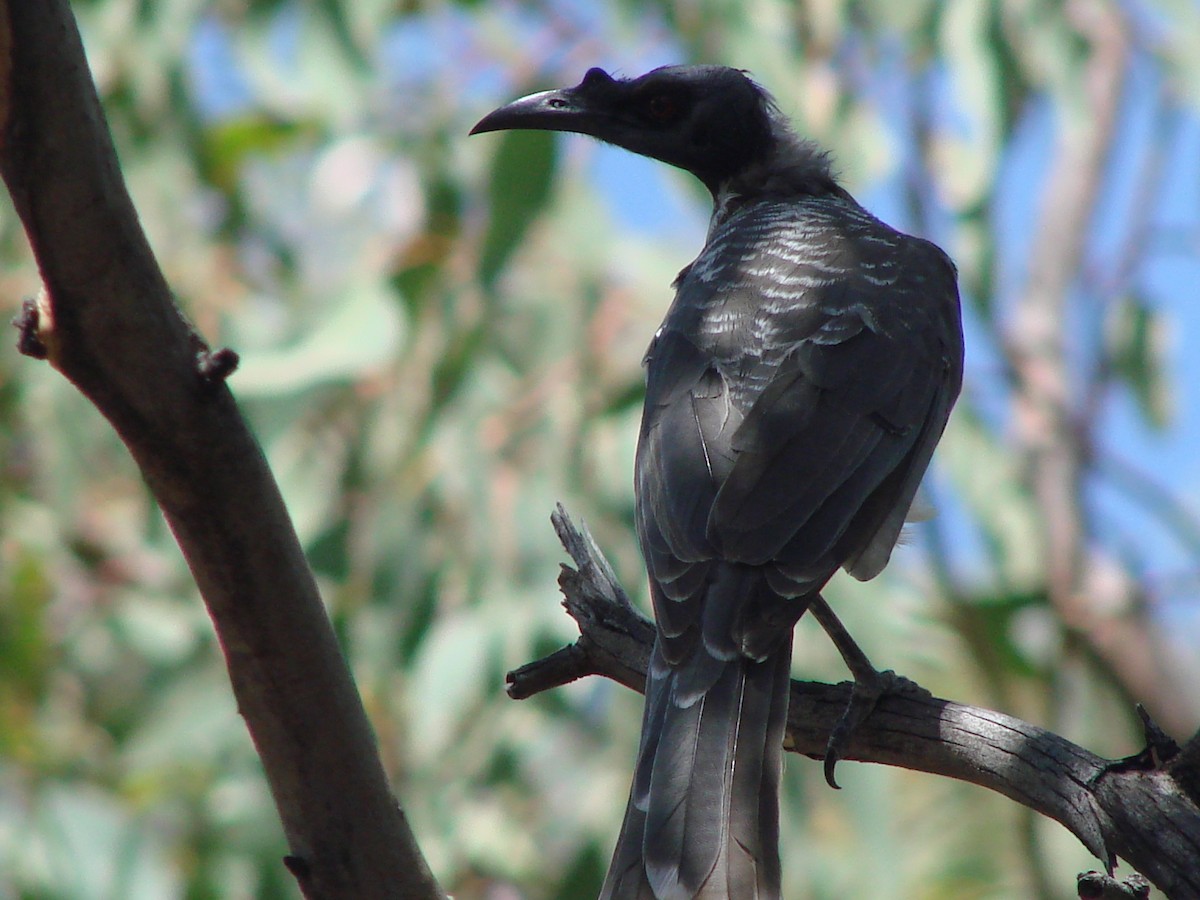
(866, 692)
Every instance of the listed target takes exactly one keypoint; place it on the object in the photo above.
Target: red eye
(662, 108)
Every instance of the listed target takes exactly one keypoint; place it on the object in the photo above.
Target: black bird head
(712, 121)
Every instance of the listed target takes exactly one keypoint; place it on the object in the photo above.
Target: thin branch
(1142, 488)
(106, 320)
(1143, 809)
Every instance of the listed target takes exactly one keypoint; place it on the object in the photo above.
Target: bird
(795, 392)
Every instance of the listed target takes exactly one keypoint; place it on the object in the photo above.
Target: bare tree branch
(1144, 809)
(106, 320)
(1098, 886)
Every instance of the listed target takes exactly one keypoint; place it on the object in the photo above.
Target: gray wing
(794, 398)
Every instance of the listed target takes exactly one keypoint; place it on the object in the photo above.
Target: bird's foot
(869, 687)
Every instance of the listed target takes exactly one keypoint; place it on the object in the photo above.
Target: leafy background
(441, 337)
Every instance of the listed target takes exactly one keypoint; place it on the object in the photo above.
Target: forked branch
(1143, 809)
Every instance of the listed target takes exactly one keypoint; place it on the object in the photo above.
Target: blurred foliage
(441, 338)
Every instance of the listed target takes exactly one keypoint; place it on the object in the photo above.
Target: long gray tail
(703, 816)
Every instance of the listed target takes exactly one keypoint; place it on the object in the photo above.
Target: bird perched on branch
(794, 395)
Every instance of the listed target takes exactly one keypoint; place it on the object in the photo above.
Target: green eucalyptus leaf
(1135, 336)
(518, 190)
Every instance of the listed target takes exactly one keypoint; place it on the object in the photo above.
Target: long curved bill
(583, 109)
(544, 111)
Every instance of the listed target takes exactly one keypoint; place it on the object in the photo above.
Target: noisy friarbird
(794, 394)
